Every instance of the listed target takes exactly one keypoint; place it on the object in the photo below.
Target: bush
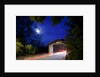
(29, 49)
(19, 48)
(24, 50)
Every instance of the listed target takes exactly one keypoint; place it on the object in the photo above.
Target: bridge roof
(58, 40)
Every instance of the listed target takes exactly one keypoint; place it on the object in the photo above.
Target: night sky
(50, 33)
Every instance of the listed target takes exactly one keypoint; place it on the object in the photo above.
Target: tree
(37, 18)
(56, 19)
(74, 40)
(19, 48)
(27, 40)
(29, 49)
(23, 28)
(25, 31)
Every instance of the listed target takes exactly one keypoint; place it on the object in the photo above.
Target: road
(55, 56)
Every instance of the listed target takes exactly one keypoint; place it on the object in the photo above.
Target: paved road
(55, 56)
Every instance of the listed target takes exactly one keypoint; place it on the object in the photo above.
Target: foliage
(56, 19)
(19, 48)
(25, 31)
(74, 40)
(29, 49)
(23, 28)
(24, 50)
(37, 18)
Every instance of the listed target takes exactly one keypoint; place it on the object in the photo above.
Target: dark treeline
(74, 40)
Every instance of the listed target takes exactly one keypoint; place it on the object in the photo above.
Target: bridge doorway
(57, 46)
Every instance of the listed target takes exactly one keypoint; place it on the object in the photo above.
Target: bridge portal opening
(57, 46)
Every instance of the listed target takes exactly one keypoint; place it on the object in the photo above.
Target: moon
(37, 30)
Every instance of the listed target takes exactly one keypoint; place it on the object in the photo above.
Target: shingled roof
(56, 41)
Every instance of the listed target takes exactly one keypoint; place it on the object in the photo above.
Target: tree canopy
(74, 40)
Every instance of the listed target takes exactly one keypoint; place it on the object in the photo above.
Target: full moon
(37, 30)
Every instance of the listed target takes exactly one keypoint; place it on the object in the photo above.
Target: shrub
(19, 48)
(29, 49)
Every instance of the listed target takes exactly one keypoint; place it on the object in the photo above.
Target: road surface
(55, 56)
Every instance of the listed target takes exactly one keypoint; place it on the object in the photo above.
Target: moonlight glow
(37, 30)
